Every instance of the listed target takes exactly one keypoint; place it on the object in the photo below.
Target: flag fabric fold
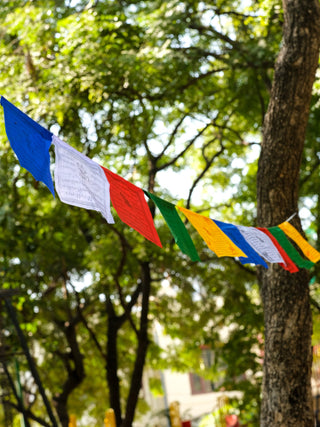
(80, 181)
(261, 243)
(305, 246)
(289, 248)
(176, 226)
(288, 264)
(215, 238)
(131, 206)
(30, 142)
(234, 234)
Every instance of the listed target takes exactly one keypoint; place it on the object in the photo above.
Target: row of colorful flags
(82, 182)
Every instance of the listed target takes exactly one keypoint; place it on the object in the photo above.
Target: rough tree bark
(286, 396)
(142, 347)
(73, 360)
(114, 324)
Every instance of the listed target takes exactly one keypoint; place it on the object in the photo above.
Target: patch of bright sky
(82, 282)
(73, 3)
(87, 118)
(167, 288)
(305, 213)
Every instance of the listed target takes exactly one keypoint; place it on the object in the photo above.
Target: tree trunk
(143, 341)
(112, 361)
(76, 374)
(286, 399)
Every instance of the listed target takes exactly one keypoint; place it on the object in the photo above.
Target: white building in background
(194, 394)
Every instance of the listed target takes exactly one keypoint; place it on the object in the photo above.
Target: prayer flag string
(82, 182)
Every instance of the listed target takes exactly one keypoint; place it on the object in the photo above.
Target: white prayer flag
(261, 243)
(80, 181)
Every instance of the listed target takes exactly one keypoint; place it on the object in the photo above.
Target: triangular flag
(288, 265)
(261, 243)
(216, 239)
(177, 227)
(289, 248)
(306, 248)
(30, 142)
(131, 206)
(234, 234)
(80, 181)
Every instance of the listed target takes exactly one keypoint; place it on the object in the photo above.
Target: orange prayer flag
(294, 235)
(214, 237)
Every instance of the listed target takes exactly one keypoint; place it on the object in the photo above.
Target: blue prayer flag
(30, 142)
(234, 234)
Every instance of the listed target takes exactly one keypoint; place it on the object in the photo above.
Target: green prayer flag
(177, 227)
(289, 248)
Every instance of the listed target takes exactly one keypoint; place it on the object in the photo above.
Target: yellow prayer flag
(110, 419)
(306, 248)
(72, 421)
(214, 237)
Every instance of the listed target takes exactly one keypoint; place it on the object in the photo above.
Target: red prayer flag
(289, 264)
(131, 206)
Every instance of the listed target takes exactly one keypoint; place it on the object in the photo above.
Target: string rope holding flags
(82, 182)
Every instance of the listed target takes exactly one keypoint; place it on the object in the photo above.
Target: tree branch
(183, 152)
(203, 172)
